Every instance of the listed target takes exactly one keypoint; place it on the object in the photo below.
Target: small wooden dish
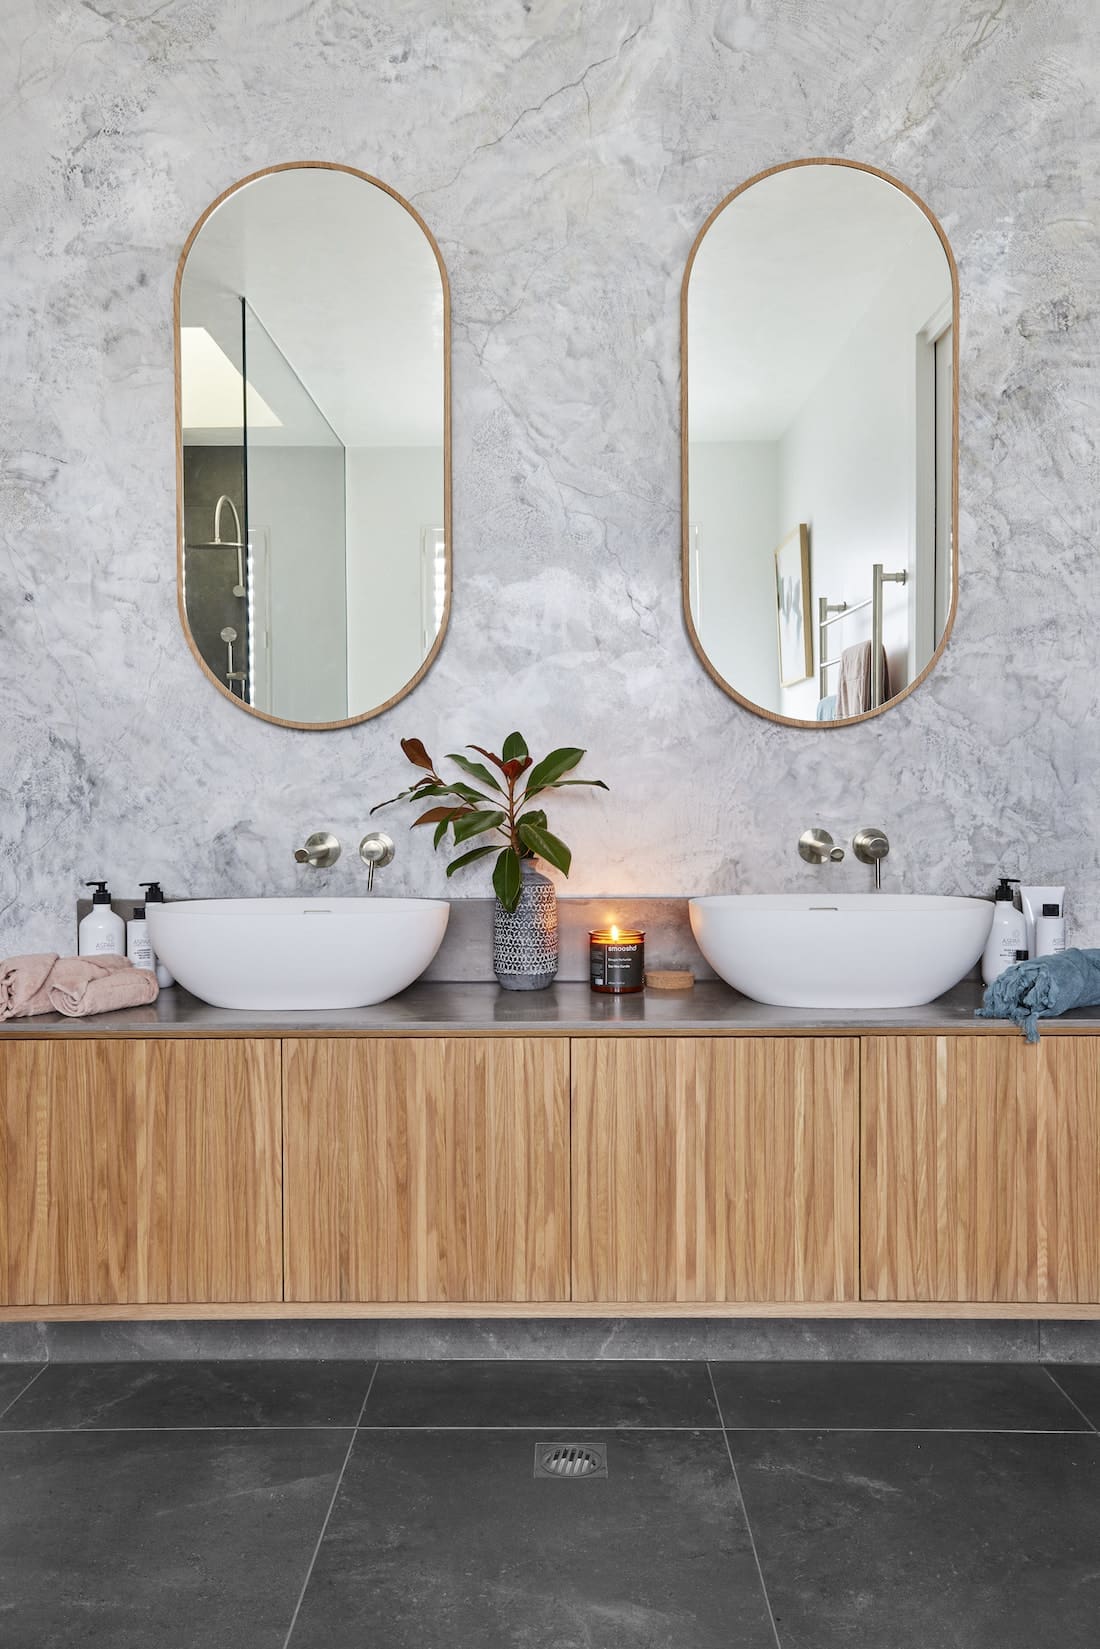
(669, 979)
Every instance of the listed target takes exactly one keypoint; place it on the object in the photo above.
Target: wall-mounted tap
(321, 850)
(817, 847)
(376, 851)
(870, 846)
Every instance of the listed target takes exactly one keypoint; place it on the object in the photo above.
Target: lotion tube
(1033, 899)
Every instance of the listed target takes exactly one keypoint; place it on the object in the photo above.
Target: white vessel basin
(297, 953)
(841, 950)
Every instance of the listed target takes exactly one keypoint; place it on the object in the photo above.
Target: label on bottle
(138, 948)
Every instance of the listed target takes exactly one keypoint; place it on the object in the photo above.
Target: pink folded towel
(72, 985)
(23, 982)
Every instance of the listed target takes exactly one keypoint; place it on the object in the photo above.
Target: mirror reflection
(312, 340)
(819, 442)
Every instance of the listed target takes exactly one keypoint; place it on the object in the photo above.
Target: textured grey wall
(565, 155)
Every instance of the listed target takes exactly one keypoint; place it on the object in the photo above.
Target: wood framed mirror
(819, 406)
(313, 449)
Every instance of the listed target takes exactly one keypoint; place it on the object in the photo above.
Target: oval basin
(281, 954)
(841, 950)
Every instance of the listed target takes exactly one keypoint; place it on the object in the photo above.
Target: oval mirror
(313, 445)
(820, 442)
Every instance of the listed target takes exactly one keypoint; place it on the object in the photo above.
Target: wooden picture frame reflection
(792, 608)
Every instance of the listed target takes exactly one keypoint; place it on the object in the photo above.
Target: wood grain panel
(981, 1169)
(139, 1171)
(714, 1170)
(431, 1170)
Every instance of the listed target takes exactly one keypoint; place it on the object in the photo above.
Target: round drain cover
(569, 1460)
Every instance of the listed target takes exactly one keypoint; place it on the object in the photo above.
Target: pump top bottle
(1007, 936)
(101, 933)
(154, 895)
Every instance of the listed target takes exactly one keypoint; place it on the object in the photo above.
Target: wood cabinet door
(139, 1172)
(715, 1169)
(981, 1168)
(427, 1169)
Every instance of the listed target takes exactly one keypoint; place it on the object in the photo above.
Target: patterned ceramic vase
(525, 940)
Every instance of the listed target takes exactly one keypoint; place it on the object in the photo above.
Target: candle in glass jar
(617, 960)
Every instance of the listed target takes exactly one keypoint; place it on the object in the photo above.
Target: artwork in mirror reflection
(820, 459)
(312, 342)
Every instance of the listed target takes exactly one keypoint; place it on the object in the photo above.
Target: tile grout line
(25, 1389)
(328, 1515)
(1059, 1387)
(744, 1510)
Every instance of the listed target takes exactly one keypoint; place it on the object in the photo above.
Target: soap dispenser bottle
(154, 895)
(138, 947)
(1007, 936)
(101, 933)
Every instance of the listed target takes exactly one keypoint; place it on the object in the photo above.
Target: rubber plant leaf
(468, 858)
(507, 878)
(550, 769)
(548, 847)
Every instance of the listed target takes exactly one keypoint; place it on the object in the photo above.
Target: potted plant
(525, 918)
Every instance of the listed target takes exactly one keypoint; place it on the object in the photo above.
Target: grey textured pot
(525, 940)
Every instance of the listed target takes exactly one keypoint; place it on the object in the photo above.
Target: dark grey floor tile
(446, 1538)
(14, 1378)
(541, 1394)
(908, 1540)
(929, 1396)
(119, 1395)
(185, 1541)
(1081, 1383)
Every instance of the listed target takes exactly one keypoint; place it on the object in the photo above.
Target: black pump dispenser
(1005, 890)
(101, 896)
(154, 893)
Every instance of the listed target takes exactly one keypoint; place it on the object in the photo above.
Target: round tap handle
(870, 845)
(376, 851)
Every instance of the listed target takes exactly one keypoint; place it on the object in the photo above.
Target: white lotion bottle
(1050, 931)
(139, 947)
(1007, 936)
(101, 933)
(154, 895)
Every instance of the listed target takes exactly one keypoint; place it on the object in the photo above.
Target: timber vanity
(459, 1151)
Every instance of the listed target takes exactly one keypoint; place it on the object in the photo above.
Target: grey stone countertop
(565, 1009)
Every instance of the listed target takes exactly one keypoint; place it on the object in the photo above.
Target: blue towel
(826, 708)
(1043, 989)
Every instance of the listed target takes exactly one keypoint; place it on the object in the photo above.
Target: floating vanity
(460, 1151)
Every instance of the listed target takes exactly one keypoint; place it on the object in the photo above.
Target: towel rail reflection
(835, 612)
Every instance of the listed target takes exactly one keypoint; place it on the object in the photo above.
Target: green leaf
(548, 847)
(514, 750)
(476, 771)
(472, 824)
(535, 817)
(440, 831)
(467, 792)
(550, 769)
(507, 880)
(418, 790)
(468, 858)
(559, 784)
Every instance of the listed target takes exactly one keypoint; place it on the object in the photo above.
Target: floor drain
(570, 1459)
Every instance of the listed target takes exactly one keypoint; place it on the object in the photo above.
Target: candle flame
(614, 933)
